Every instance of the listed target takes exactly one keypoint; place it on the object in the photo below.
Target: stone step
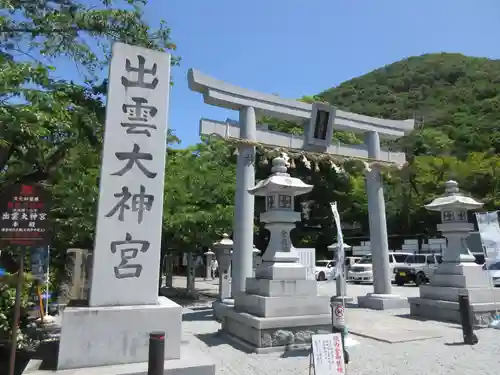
(282, 306)
(277, 288)
(476, 295)
(458, 281)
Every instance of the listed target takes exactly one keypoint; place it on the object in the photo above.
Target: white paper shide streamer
(340, 239)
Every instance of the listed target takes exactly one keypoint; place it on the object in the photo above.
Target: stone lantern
(453, 206)
(223, 250)
(280, 259)
(209, 254)
(279, 307)
(458, 273)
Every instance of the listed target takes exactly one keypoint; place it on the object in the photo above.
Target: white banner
(489, 230)
(340, 240)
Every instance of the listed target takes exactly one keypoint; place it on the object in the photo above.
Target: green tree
(199, 195)
(42, 116)
(50, 127)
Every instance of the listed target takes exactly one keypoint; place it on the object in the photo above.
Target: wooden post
(17, 313)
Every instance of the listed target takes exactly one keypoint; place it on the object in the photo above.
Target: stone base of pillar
(116, 335)
(275, 315)
(382, 301)
(439, 299)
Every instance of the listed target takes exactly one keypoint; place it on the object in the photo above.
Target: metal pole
(156, 360)
(338, 323)
(466, 320)
(47, 280)
(17, 313)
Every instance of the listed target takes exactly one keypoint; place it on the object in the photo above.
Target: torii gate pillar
(244, 204)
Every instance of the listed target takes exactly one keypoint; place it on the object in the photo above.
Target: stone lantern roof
(453, 199)
(225, 242)
(280, 181)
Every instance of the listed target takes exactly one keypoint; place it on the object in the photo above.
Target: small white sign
(129, 221)
(328, 354)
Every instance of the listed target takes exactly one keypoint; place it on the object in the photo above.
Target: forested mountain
(455, 97)
(455, 101)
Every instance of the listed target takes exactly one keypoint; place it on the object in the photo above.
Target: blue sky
(299, 47)
(302, 47)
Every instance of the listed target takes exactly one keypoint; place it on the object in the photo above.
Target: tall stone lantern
(280, 306)
(458, 273)
(453, 206)
(280, 260)
(223, 251)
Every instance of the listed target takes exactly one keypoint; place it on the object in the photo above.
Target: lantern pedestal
(276, 315)
(458, 274)
(439, 299)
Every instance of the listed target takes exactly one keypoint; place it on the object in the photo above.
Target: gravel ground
(445, 355)
(435, 356)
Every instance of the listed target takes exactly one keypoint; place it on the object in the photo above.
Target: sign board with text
(23, 216)
(328, 354)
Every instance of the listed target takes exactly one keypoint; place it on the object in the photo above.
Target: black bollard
(156, 358)
(466, 320)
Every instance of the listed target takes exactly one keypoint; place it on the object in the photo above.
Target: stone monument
(124, 306)
(75, 287)
(320, 121)
(280, 307)
(458, 273)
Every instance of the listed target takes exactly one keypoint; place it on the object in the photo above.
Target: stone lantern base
(274, 315)
(439, 299)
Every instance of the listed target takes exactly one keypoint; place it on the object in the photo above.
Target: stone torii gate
(317, 138)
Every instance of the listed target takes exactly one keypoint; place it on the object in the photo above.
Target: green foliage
(51, 128)
(456, 96)
(7, 304)
(199, 194)
(455, 100)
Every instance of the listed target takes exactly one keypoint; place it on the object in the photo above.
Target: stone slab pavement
(442, 355)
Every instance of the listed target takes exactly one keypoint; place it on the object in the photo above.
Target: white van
(362, 270)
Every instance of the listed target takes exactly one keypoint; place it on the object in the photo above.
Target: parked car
(325, 270)
(494, 271)
(418, 269)
(350, 261)
(362, 270)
